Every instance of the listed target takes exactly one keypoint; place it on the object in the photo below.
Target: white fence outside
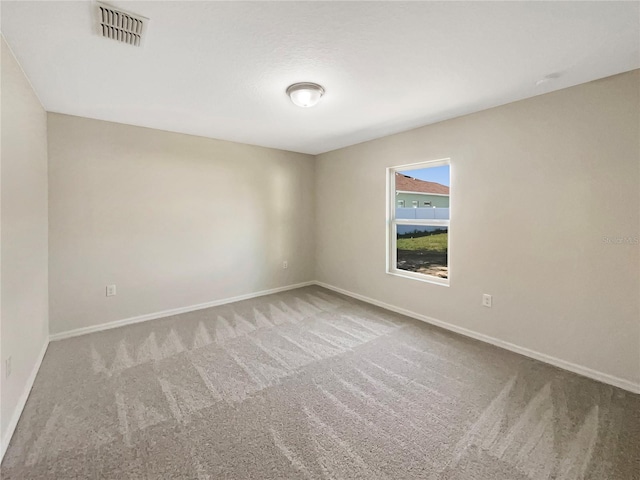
(423, 213)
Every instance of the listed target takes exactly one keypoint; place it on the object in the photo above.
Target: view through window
(419, 220)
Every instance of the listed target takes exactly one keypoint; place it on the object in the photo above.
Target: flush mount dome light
(305, 94)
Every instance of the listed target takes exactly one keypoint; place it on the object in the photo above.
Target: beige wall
(172, 220)
(24, 324)
(536, 185)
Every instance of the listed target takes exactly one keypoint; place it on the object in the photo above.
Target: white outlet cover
(486, 300)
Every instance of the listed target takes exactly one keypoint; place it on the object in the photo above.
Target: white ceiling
(220, 69)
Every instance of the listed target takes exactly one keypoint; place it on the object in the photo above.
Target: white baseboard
(565, 365)
(22, 401)
(557, 362)
(174, 311)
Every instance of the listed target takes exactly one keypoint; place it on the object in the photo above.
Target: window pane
(423, 193)
(422, 249)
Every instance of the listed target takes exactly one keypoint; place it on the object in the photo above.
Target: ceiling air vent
(119, 25)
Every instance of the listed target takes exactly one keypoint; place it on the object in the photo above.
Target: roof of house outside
(409, 184)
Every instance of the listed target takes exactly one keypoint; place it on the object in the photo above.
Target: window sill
(443, 282)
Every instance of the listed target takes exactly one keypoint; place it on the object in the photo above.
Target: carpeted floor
(310, 384)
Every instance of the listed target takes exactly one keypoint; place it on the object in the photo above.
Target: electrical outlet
(486, 300)
(285, 265)
(111, 290)
(7, 367)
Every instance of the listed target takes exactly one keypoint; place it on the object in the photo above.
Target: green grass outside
(433, 243)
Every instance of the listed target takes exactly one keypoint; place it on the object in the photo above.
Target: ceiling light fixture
(305, 94)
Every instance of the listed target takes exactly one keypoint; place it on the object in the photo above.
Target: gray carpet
(309, 384)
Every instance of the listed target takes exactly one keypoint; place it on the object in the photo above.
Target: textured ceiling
(220, 69)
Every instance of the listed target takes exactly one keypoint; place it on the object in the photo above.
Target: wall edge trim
(170, 312)
(542, 357)
(22, 401)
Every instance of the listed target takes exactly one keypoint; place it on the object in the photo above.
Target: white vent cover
(120, 25)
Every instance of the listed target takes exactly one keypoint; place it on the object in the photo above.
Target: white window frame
(393, 222)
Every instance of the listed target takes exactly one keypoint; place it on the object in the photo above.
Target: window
(418, 237)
